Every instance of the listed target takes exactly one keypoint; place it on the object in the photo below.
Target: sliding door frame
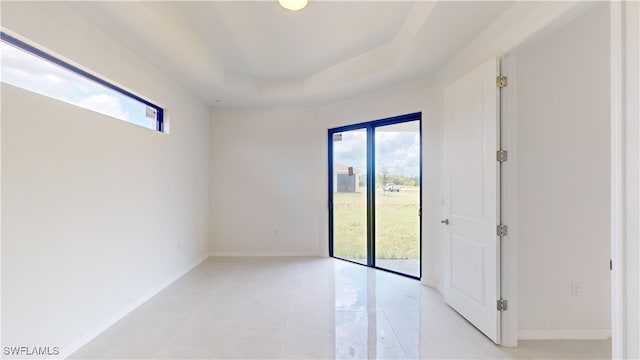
(370, 127)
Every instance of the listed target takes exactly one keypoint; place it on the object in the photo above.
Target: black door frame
(370, 127)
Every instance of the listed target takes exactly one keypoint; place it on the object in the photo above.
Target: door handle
(445, 221)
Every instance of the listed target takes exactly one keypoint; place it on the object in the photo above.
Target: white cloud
(104, 104)
(352, 141)
(398, 152)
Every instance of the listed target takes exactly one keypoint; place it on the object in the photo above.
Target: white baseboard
(568, 334)
(66, 351)
(264, 253)
(432, 284)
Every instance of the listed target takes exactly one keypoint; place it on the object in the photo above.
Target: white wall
(266, 182)
(269, 173)
(98, 214)
(563, 187)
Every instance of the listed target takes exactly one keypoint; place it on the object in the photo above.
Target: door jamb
(509, 199)
(509, 205)
(619, 315)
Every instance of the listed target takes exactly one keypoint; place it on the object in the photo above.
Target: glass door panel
(349, 193)
(397, 197)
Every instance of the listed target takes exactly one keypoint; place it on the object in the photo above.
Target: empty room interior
(317, 179)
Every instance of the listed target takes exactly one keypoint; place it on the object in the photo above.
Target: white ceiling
(264, 40)
(249, 53)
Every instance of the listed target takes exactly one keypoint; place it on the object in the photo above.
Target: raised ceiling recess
(258, 53)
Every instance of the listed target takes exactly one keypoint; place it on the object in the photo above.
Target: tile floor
(306, 308)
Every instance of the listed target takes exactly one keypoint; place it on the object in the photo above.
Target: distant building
(343, 182)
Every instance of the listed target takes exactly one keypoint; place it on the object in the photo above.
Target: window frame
(74, 69)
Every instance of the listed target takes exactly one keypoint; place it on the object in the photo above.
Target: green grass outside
(397, 224)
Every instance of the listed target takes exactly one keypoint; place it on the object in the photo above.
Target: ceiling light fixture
(293, 4)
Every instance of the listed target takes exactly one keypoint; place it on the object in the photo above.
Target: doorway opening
(375, 194)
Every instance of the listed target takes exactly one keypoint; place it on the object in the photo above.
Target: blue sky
(32, 73)
(397, 151)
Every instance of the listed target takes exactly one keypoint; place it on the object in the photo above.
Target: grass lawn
(397, 224)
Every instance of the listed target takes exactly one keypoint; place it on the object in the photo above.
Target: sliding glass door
(375, 194)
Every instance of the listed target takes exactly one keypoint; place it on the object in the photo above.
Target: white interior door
(472, 275)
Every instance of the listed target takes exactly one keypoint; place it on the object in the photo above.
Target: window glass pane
(25, 70)
(350, 195)
(397, 197)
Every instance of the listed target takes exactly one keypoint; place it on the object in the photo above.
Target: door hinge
(610, 264)
(502, 230)
(502, 155)
(502, 305)
(501, 81)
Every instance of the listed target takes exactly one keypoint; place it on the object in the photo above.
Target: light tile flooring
(306, 308)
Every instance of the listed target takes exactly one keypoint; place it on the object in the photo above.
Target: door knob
(445, 221)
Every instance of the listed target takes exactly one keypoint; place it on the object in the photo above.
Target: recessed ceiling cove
(258, 53)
